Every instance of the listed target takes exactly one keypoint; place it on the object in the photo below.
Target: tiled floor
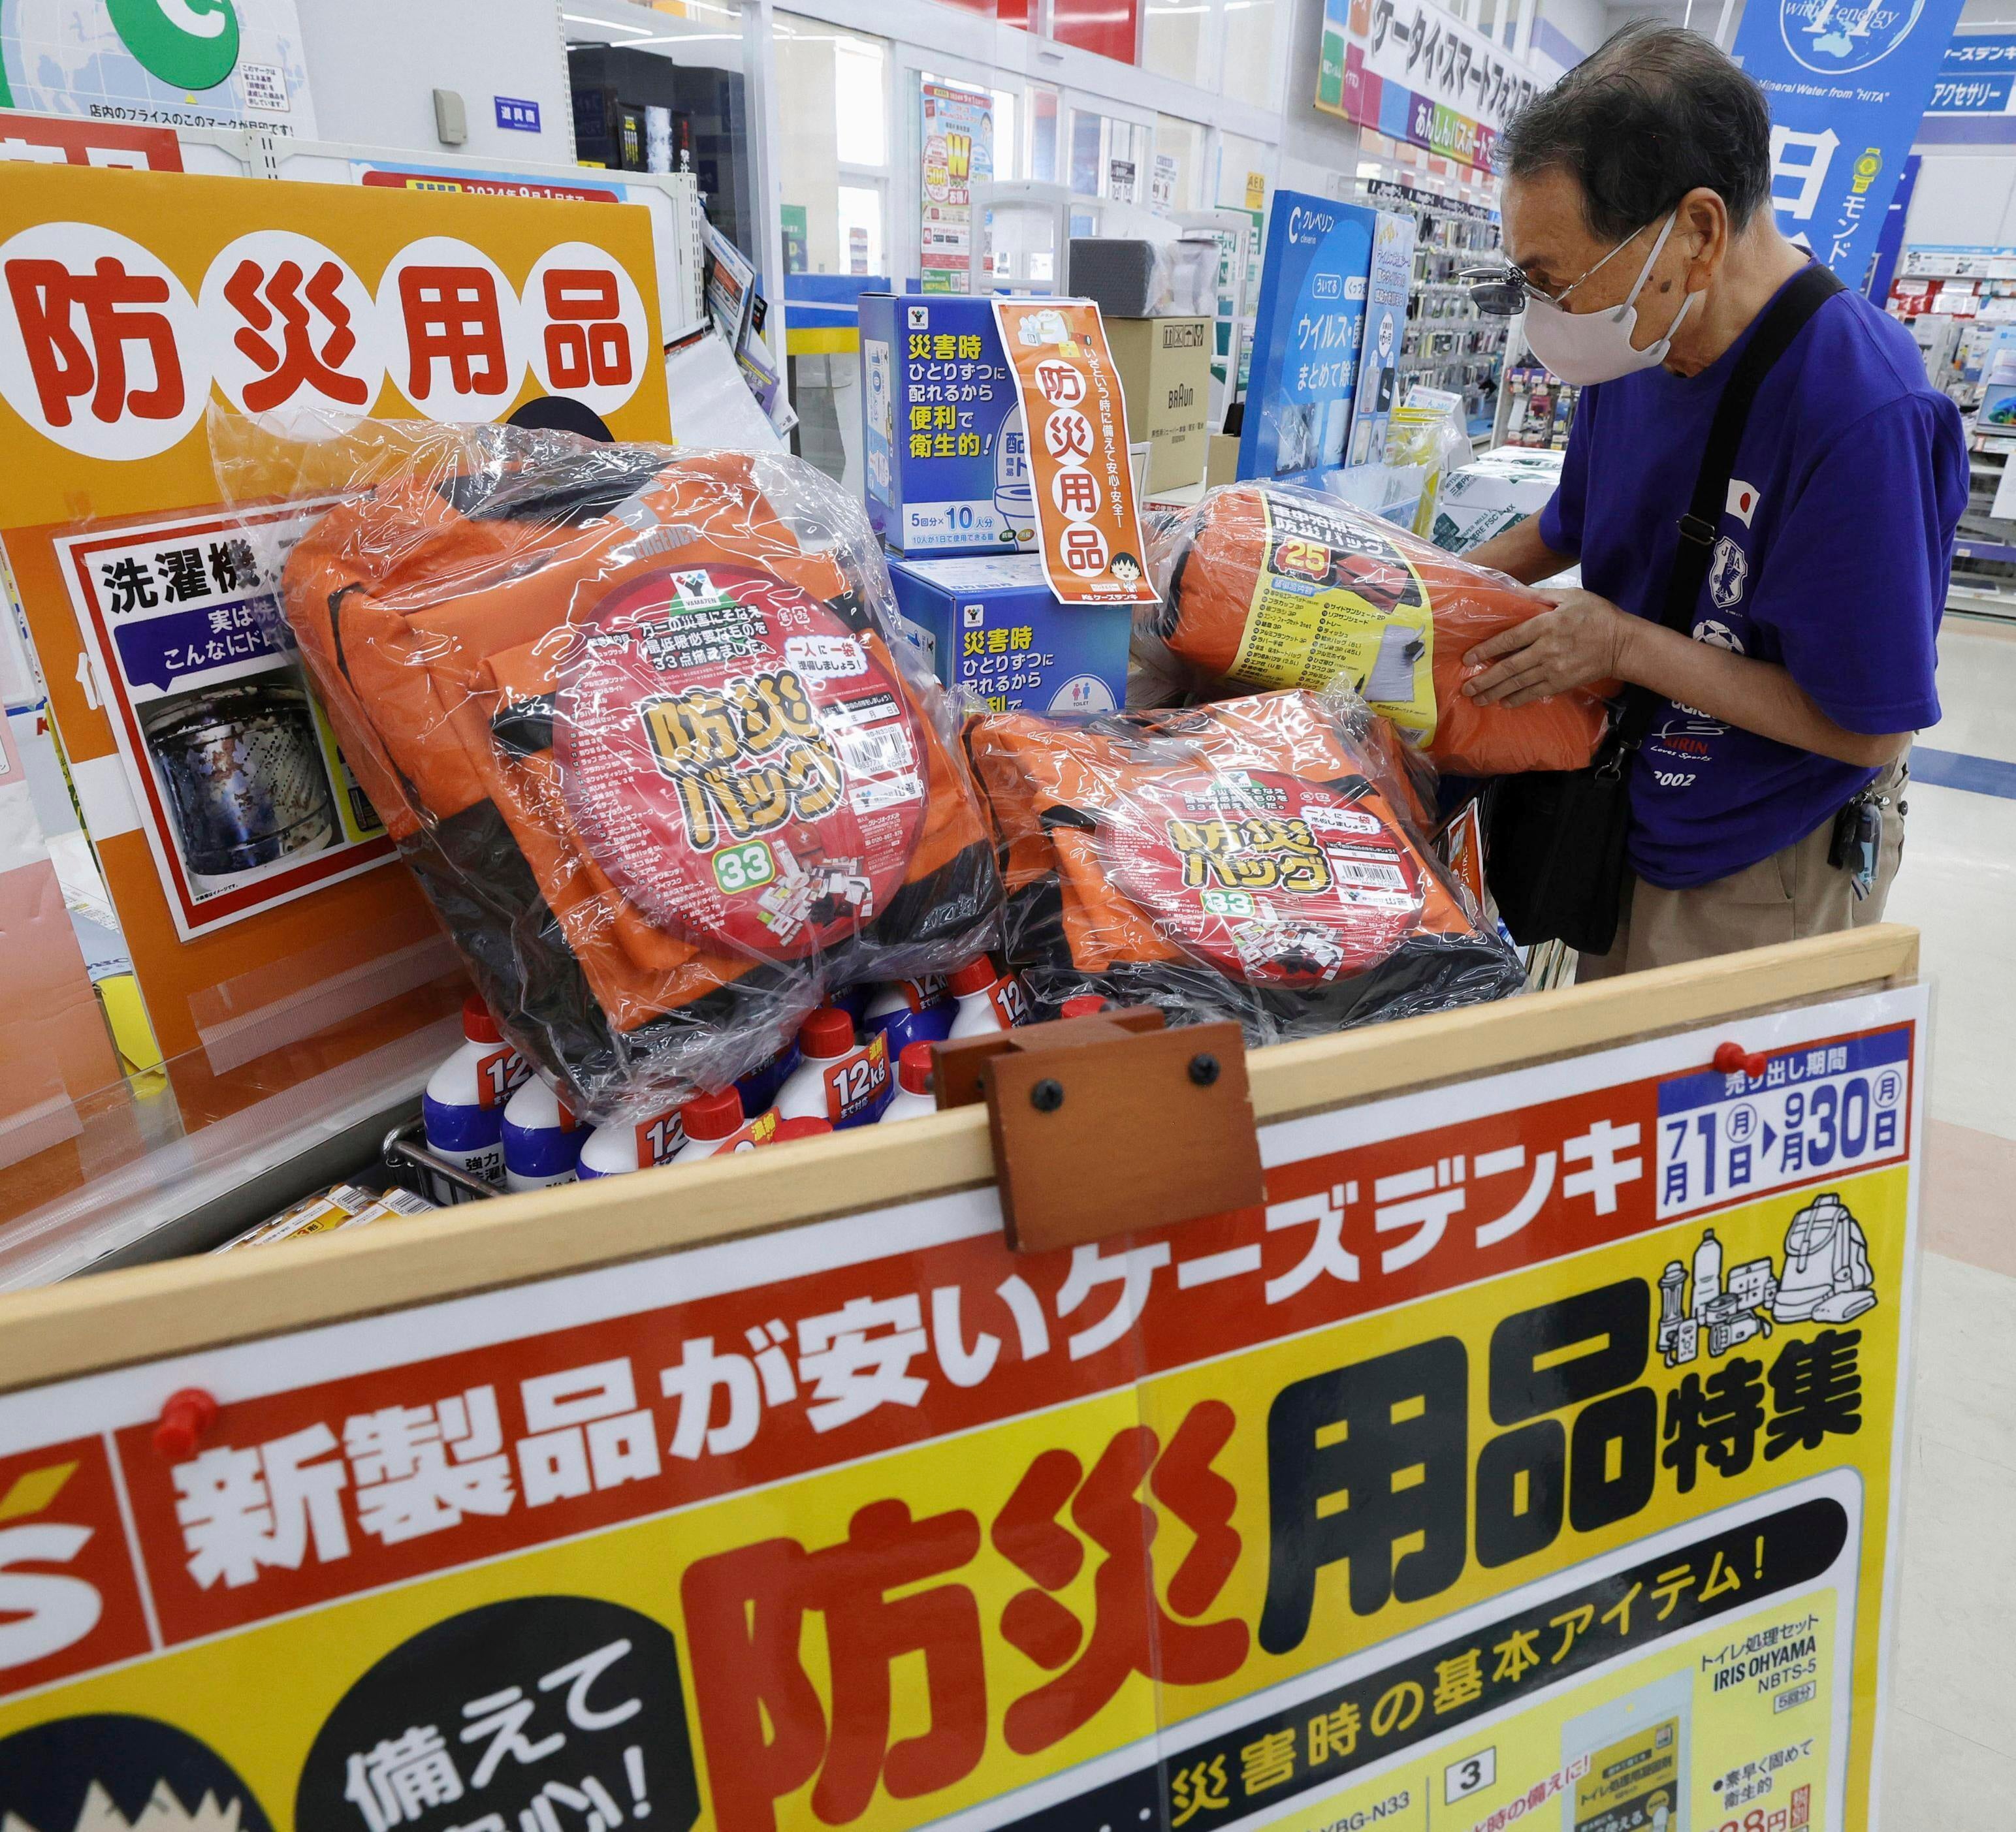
(1953, 1736)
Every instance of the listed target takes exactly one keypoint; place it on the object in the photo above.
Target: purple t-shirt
(1831, 558)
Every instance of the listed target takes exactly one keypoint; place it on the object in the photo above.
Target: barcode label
(872, 750)
(1372, 876)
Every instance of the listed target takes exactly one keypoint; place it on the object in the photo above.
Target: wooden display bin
(1530, 1447)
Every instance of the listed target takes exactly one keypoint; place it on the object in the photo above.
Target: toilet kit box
(993, 625)
(947, 455)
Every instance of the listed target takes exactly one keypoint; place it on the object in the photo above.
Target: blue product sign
(1305, 348)
(1816, 1111)
(1848, 85)
(514, 113)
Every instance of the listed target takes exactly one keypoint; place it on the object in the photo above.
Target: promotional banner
(1418, 73)
(1531, 1456)
(236, 850)
(173, 64)
(1848, 87)
(1306, 336)
(958, 146)
(1088, 524)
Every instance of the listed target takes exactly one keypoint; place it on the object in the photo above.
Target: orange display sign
(248, 874)
(1086, 515)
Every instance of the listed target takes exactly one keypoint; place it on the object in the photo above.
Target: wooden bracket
(1110, 1124)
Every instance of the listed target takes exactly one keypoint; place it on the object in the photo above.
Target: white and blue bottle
(542, 1138)
(913, 1097)
(463, 1107)
(909, 1012)
(616, 1150)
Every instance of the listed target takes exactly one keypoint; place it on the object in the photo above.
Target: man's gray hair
(1655, 112)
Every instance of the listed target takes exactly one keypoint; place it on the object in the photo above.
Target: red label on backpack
(1272, 880)
(738, 760)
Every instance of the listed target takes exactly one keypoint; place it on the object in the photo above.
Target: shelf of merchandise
(1984, 569)
(1449, 343)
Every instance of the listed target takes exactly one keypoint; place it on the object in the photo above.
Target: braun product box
(1164, 366)
(994, 627)
(948, 457)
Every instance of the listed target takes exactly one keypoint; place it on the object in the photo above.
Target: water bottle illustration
(1015, 494)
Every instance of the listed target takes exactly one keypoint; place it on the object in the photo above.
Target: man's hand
(1583, 639)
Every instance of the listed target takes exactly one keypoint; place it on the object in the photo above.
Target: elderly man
(1764, 798)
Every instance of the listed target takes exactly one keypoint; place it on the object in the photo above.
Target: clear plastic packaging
(634, 719)
(1259, 859)
(1272, 585)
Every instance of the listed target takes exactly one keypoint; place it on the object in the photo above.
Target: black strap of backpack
(1782, 323)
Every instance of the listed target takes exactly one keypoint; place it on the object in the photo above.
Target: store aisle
(1953, 1732)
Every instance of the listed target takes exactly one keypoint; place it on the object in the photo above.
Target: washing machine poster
(239, 785)
(1306, 344)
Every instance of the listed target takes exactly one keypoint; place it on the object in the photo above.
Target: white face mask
(1586, 347)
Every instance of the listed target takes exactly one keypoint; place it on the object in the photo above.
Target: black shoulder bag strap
(1785, 320)
(1555, 840)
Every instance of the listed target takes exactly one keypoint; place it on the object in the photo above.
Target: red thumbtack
(184, 1418)
(1731, 1057)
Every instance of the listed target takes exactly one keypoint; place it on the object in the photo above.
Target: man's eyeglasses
(1499, 292)
(1502, 291)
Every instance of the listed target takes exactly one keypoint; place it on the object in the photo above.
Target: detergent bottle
(463, 1107)
(838, 1079)
(617, 1149)
(542, 1138)
(913, 1097)
(910, 1011)
(712, 1122)
(987, 1000)
(758, 1088)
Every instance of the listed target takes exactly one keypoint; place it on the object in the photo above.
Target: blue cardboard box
(993, 625)
(947, 455)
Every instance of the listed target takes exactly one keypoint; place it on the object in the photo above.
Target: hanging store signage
(1533, 1455)
(1977, 76)
(1847, 88)
(171, 63)
(1420, 74)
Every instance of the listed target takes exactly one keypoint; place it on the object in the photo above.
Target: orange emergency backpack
(1273, 585)
(634, 720)
(1256, 858)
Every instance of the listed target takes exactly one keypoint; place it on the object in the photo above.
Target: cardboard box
(947, 455)
(993, 625)
(1164, 366)
(1223, 465)
(1497, 492)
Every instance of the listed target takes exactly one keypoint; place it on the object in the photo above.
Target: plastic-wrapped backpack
(1257, 859)
(635, 719)
(1273, 585)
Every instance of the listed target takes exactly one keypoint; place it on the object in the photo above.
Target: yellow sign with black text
(1531, 1452)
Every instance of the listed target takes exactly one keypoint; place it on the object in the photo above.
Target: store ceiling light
(612, 25)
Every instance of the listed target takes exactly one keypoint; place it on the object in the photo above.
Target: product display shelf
(632, 1496)
(1448, 344)
(1984, 569)
(145, 1169)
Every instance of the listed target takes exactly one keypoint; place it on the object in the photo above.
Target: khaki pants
(1794, 893)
